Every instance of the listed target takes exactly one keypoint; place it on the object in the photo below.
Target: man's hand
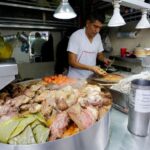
(107, 61)
(98, 70)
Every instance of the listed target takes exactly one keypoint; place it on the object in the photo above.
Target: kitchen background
(25, 20)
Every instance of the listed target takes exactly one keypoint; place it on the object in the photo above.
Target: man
(37, 44)
(84, 47)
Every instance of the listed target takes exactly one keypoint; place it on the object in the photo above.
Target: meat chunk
(4, 109)
(59, 125)
(46, 109)
(66, 97)
(90, 94)
(35, 108)
(19, 100)
(29, 93)
(45, 95)
(36, 87)
(83, 118)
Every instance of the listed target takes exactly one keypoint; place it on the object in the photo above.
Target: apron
(88, 58)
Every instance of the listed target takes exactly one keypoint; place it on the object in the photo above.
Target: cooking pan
(101, 79)
(96, 137)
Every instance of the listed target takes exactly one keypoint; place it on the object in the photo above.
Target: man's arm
(102, 58)
(74, 63)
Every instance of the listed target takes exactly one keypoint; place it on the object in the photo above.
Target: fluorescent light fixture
(64, 11)
(143, 23)
(116, 20)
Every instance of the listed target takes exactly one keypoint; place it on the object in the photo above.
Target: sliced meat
(66, 97)
(35, 108)
(8, 116)
(29, 93)
(83, 118)
(19, 100)
(59, 126)
(45, 95)
(4, 109)
(46, 109)
(61, 104)
(90, 94)
(36, 87)
(106, 98)
(2, 101)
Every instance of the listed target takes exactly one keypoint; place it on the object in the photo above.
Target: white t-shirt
(85, 50)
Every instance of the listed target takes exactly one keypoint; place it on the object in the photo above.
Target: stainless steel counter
(121, 138)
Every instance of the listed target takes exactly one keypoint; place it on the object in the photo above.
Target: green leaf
(41, 133)
(22, 125)
(7, 127)
(26, 137)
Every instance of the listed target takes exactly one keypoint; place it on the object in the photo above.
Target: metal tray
(103, 80)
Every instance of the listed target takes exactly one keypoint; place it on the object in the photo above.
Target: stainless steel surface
(26, 6)
(120, 108)
(8, 70)
(121, 138)
(138, 121)
(120, 99)
(95, 137)
(18, 22)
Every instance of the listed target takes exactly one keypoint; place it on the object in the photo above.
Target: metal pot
(139, 107)
(96, 137)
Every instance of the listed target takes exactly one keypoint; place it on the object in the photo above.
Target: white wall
(143, 38)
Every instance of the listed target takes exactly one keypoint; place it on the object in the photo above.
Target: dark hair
(96, 16)
(37, 34)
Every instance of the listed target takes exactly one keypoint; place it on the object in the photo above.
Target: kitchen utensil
(110, 64)
(111, 69)
(106, 80)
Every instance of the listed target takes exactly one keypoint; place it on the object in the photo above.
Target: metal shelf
(19, 16)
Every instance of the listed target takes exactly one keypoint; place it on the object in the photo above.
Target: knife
(108, 66)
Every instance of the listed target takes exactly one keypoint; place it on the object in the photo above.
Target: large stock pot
(95, 137)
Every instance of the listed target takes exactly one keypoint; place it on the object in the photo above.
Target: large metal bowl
(96, 137)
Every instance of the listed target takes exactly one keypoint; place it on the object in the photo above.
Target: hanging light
(64, 11)
(116, 19)
(143, 23)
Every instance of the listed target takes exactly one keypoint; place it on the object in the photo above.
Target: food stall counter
(121, 138)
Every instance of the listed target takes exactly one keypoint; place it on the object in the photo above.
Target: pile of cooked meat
(67, 109)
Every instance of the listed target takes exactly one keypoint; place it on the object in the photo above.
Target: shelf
(19, 16)
(27, 6)
(126, 59)
(136, 4)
